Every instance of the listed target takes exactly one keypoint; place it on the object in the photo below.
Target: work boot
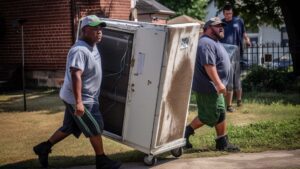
(103, 162)
(42, 150)
(230, 109)
(222, 144)
(188, 132)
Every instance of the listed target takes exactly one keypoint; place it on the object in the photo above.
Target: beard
(218, 34)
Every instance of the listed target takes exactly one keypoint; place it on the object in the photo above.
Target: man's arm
(77, 87)
(247, 39)
(213, 75)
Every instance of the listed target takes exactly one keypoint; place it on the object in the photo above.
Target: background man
(234, 34)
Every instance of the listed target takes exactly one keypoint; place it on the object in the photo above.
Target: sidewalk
(263, 160)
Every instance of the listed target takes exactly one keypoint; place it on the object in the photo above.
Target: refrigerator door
(175, 84)
(144, 82)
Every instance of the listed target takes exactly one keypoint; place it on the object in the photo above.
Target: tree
(192, 8)
(271, 12)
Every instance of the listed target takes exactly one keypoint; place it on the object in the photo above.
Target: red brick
(48, 31)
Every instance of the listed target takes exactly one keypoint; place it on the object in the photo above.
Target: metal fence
(268, 55)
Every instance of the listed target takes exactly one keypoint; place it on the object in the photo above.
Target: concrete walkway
(263, 160)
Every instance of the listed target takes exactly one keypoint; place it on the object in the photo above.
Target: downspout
(72, 20)
(133, 11)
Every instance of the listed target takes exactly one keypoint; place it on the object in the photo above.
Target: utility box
(146, 86)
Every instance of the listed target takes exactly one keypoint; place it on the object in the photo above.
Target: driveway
(263, 160)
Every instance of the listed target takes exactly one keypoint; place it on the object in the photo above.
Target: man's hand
(79, 110)
(248, 43)
(247, 40)
(221, 89)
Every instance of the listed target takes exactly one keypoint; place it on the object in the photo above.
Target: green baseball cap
(92, 20)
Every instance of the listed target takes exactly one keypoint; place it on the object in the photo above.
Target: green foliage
(259, 136)
(256, 12)
(262, 79)
(257, 126)
(193, 8)
(267, 134)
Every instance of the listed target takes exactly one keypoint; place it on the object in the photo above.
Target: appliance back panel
(115, 49)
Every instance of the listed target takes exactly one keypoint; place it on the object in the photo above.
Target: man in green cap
(80, 93)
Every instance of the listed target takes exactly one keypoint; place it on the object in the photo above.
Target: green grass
(267, 121)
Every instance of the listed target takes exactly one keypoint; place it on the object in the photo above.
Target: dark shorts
(210, 106)
(234, 82)
(90, 124)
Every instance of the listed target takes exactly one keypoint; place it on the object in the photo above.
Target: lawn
(267, 121)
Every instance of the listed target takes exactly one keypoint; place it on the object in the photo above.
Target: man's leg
(222, 141)
(58, 136)
(102, 161)
(97, 144)
(189, 130)
(228, 99)
(238, 85)
(196, 123)
(43, 149)
(221, 129)
(239, 97)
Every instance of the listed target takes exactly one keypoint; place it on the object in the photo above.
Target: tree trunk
(290, 13)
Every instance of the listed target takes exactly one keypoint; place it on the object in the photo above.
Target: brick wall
(49, 31)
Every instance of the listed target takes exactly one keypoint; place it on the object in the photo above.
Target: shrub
(262, 79)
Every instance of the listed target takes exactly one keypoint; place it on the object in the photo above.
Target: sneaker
(222, 144)
(42, 150)
(103, 162)
(230, 109)
(239, 103)
(188, 132)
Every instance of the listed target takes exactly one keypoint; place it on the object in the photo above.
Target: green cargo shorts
(210, 106)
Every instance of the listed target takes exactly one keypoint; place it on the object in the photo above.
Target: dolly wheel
(177, 152)
(150, 160)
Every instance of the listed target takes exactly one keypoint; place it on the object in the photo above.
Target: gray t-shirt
(210, 52)
(86, 58)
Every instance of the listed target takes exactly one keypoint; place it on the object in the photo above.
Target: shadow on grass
(37, 100)
(68, 161)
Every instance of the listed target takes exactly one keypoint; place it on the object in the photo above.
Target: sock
(49, 143)
(190, 128)
(220, 136)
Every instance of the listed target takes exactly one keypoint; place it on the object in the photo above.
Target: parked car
(280, 63)
(277, 63)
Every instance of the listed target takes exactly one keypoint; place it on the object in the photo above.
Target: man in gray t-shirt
(80, 93)
(86, 58)
(211, 75)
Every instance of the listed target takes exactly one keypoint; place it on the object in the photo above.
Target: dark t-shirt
(233, 32)
(213, 53)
